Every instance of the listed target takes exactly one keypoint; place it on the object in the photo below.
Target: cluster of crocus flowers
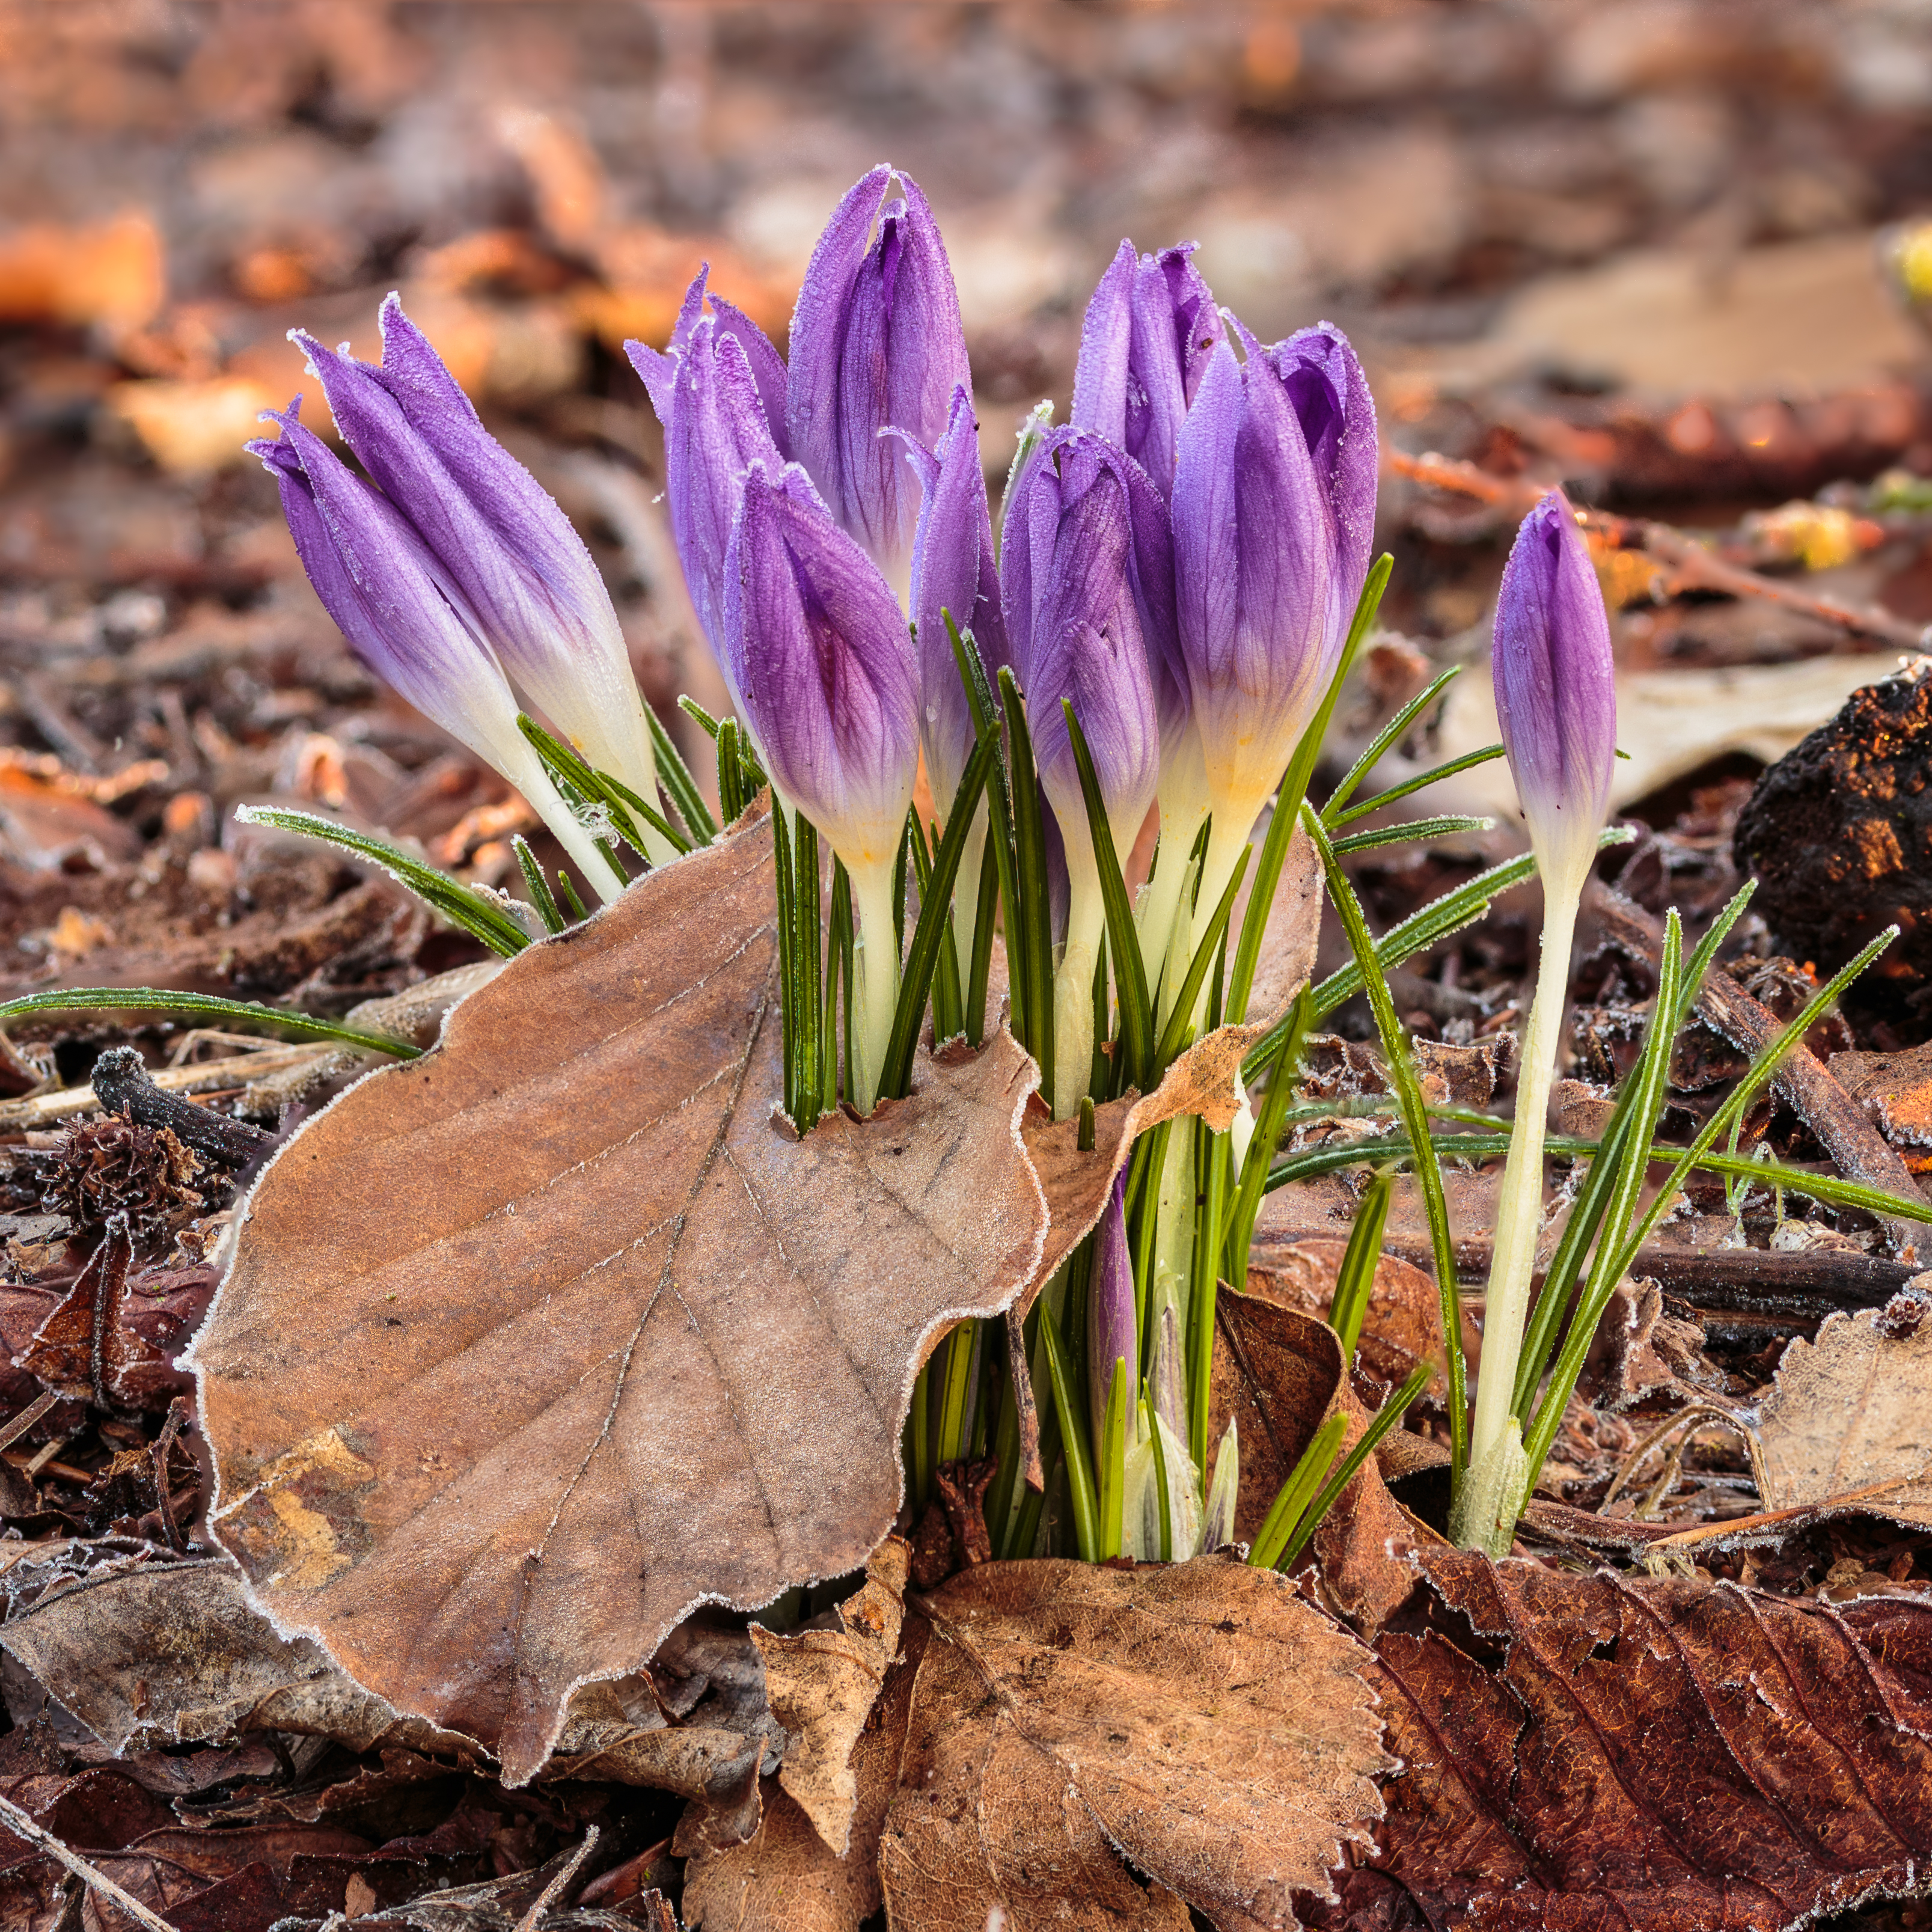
(1556, 704)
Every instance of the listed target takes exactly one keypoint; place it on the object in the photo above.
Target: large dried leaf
(532, 1345)
(1199, 1717)
(1654, 1755)
(1848, 1422)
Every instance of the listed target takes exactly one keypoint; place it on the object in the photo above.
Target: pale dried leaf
(535, 1343)
(1850, 1414)
(1198, 1716)
(822, 1685)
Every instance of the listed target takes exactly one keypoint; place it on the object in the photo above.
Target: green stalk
(1298, 1489)
(1073, 1440)
(1384, 1419)
(1113, 1462)
(1355, 1279)
(1212, 1151)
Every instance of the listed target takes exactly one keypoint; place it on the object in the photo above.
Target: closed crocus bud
(1555, 686)
(500, 538)
(1067, 571)
(1556, 703)
(407, 622)
(1253, 558)
(830, 690)
(716, 390)
(1323, 379)
(876, 344)
(1110, 1334)
(1144, 348)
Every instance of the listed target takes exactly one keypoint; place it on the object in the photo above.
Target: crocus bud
(1111, 1335)
(953, 570)
(716, 390)
(407, 622)
(500, 538)
(830, 689)
(1066, 570)
(1323, 379)
(1144, 348)
(876, 342)
(1555, 686)
(1253, 558)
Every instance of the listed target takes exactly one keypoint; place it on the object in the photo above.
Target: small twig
(1696, 566)
(16, 1426)
(552, 1891)
(18, 1822)
(39, 1110)
(121, 1080)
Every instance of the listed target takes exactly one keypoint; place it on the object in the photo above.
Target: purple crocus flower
(1068, 573)
(1111, 1335)
(1144, 348)
(500, 538)
(876, 342)
(718, 392)
(1555, 685)
(1254, 555)
(407, 621)
(830, 685)
(953, 570)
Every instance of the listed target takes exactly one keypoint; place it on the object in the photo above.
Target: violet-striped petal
(1110, 1334)
(876, 342)
(829, 681)
(953, 570)
(1555, 683)
(498, 534)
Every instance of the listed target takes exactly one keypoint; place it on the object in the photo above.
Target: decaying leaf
(1658, 1755)
(1198, 1717)
(535, 1343)
(822, 1685)
(1849, 1421)
(177, 1654)
(1278, 1376)
(784, 1878)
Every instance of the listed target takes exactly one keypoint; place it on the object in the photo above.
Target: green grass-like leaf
(203, 1006)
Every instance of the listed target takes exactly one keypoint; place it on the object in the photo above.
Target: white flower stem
(525, 771)
(1073, 983)
(875, 979)
(966, 897)
(1495, 1448)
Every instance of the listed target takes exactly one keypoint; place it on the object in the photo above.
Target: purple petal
(1253, 563)
(876, 342)
(389, 595)
(714, 428)
(830, 682)
(1111, 1336)
(952, 570)
(766, 365)
(1100, 376)
(1175, 328)
(525, 572)
(1555, 679)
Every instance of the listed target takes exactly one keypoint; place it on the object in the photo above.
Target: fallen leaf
(176, 1654)
(822, 1685)
(1849, 1415)
(534, 1344)
(784, 1878)
(1278, 1377)
(1198, 1719)
(1895, 1089)
(1655, 1754)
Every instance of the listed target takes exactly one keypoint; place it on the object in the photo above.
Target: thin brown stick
(551, 1893)
(19, 1823)
(1695, 566)
(16, 1426)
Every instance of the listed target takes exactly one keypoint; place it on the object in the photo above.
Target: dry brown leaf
(1294, 928)
(535, 1343)
(822, 1685)
(1850, 1414)
(785, 1878)
(1198, 1718)
(178, 1655)
(1895, 1089)
(1278, 1376)
(1661, 1755)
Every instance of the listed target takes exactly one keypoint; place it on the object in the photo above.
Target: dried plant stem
(1493, 1431)
(875, 973)
(553, 1891)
